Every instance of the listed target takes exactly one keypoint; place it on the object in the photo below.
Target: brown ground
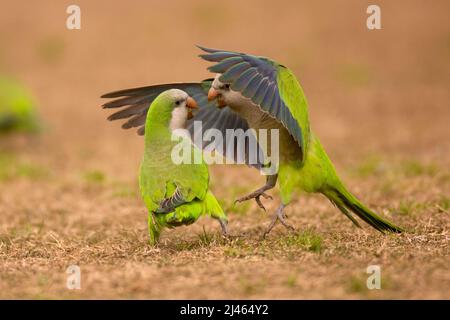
(379, 100)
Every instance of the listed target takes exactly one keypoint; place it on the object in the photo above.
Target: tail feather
(348, 203)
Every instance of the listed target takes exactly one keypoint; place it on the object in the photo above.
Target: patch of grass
(388, 187)
(250, 287)
(369, 167)
(237, 248)
(183, 246)
(94, 177)
(30, 171)
(12, 168)
(205, 238)
(414, 168)
(6, 164)
(43, 280)
(123, 190)
(444, 203)
(233, 252)
(374, 165)
(407, 207)
(357, 285)
(291, 281)
(307, 239)
(95, 238)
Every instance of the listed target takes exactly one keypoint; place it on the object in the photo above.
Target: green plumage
(160, 176)
(303, 163)
(291, 94)
(261, 94)
(315, 173)
(17, 113)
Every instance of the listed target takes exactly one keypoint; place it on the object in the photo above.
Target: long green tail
(347, 203)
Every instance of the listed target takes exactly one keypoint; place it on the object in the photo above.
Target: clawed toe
(257, 196)
(278, 216)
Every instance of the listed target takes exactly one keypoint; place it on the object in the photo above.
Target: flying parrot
(175, 193)
(263, 94)
(17, 113)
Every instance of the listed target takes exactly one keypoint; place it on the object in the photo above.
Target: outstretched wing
(271, 86)
(134, 104)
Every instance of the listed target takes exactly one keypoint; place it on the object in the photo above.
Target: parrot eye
(227, 86)
(178, 102)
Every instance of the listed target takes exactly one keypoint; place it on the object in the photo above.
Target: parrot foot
(224, 226)
(257, 196)
(261, 192)
(281, 216)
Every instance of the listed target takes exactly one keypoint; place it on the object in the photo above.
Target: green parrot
(175, 194)
(261, 94)
(17, 113)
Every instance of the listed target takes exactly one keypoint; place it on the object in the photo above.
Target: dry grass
(379, 102)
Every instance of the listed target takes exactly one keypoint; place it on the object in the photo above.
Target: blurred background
(379, 100)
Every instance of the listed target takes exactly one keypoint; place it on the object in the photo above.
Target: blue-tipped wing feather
(258, 78)
(134, 104)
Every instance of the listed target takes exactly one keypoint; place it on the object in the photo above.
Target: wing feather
(268, 84)
(133, 105)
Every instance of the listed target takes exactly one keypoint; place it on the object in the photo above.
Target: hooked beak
(213, 94)
(191, 104)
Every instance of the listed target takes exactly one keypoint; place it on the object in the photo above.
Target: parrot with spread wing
(262, 94)
(174, 193)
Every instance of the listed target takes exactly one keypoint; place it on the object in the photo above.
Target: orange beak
(213, 94)
(191, 104)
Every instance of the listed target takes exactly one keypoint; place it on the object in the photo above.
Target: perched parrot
(263, 94)
(17, 113)
(175, 194)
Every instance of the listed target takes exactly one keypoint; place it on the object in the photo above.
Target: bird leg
(278, 215)
(224, 226)
(169, 204)
(270, 183)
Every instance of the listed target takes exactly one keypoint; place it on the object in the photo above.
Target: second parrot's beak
(191, 104)
(213, 94)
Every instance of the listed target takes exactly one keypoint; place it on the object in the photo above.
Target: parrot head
(181, 106)
(222, 93)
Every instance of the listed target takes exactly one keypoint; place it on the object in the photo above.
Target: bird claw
(257, 196)
(279, 215)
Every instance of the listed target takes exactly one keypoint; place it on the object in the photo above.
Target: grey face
(220, 87)
(219, 91)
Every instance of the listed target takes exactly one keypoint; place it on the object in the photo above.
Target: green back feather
(292, 95)
(158, 173)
